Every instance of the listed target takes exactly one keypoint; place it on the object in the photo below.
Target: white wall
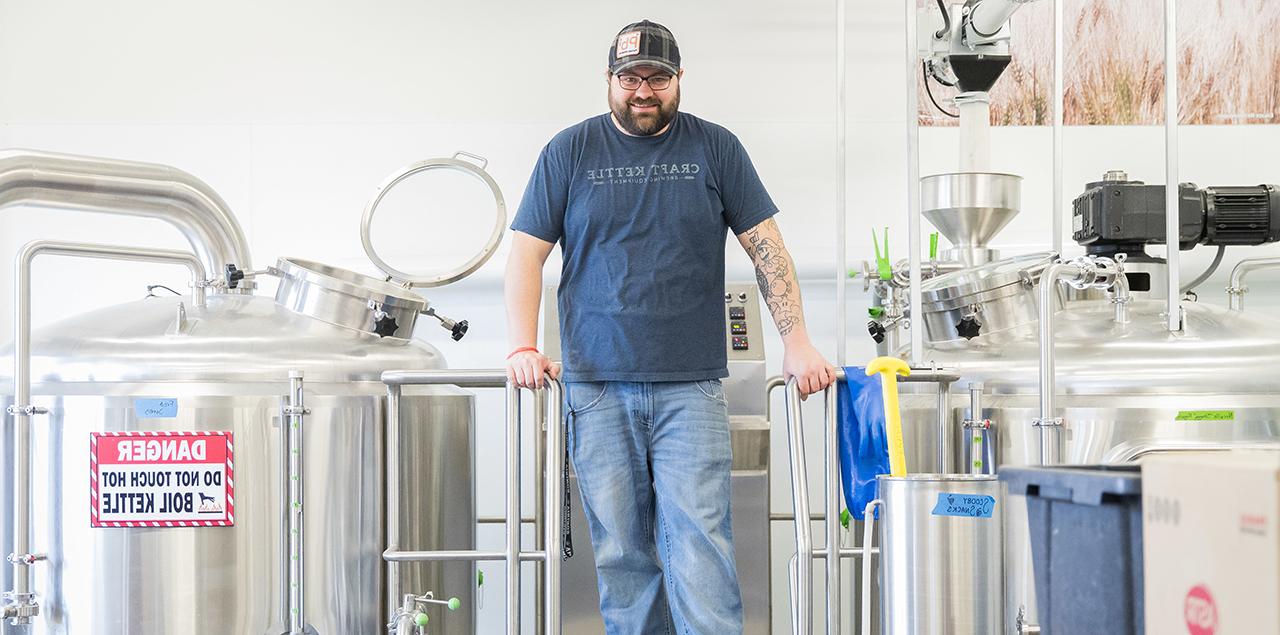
(295, 111)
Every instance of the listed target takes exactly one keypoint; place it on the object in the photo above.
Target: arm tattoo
(776, 280)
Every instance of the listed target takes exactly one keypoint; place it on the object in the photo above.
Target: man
(639, 200)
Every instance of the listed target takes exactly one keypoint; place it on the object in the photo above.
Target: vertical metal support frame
(842, 151)
(1058, 122)
(802, 566)
(1171, 216)
(913, 187)
(552, 497)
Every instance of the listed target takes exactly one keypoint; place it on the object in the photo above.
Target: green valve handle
(933, 246)
(454, 603)
(421, 619)
(883, 267)
(845, 517)
(479, 578)
(875, 312)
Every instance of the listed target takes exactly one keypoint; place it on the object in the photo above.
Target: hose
(946, 21)
(924, 70)
(1213, 266)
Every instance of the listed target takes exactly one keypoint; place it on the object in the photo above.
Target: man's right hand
(529, 368)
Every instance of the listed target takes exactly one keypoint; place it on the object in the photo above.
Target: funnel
(970, 208)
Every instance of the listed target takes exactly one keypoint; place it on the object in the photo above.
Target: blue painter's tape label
(165, 408)
(966, 505)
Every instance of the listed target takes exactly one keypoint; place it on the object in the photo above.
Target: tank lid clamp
(296, 410)
(1055, 422)
(26, 411)
(234, 277)
(979, 424)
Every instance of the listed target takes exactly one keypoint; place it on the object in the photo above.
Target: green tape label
(1206, 415)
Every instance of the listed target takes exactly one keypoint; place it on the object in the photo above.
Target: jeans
(653, 462)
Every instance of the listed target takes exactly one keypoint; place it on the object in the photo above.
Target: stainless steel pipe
(553, 497)
(128, 188)
(1236, 288)
(392, 554)
(832, 524)
(513, 509)
(23, 603)
(946, 446)
(1050, 426)
(1082, 273)
(802, 601)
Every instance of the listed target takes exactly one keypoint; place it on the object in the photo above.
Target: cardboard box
(1211, 543)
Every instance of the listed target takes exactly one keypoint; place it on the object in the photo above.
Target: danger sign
(161, 479)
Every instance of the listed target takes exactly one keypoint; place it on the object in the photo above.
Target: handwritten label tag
(165, 408)
(1206, 415)
(966, 505)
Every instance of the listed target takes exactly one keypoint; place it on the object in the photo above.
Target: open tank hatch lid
(985, 282)
(473, 167)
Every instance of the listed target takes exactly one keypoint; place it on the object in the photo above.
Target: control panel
(744, 338)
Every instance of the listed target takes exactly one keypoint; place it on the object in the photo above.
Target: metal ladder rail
(802, 571)
(553, 497)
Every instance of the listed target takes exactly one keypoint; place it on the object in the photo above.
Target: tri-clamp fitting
(26, 411)
(411, 618)
(26, 559)
(1094, 272)
(20, 608)
(1097, 272)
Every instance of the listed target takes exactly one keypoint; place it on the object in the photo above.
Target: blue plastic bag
(864, 446)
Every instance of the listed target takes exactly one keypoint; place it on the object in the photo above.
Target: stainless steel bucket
(941, 555)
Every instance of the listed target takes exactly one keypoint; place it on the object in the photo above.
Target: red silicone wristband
(521, 350)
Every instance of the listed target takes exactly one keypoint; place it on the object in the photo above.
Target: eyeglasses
(632, 82)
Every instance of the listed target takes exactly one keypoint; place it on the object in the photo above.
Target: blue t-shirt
(641, 222)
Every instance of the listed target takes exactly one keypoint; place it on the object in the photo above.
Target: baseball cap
(644, 43)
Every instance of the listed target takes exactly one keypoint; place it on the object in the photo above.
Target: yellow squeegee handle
(889, 369)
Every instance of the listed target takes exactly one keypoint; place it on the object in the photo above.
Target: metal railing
(802, 570)
(552, 498)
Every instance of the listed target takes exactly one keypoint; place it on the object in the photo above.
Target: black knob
(459, 330)
(385, 326)
(968, 327)
(876, 330)
(234, 276)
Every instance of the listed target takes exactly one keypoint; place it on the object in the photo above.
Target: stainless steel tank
(941, 555)
(230, 373)
(226, 366)
(1123, 390)
(1124, 387)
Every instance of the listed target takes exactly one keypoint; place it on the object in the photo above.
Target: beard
(644, 124)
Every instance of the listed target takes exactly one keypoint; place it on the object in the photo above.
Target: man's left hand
(812, 371)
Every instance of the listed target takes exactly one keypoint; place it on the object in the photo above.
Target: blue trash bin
(1086, 546)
